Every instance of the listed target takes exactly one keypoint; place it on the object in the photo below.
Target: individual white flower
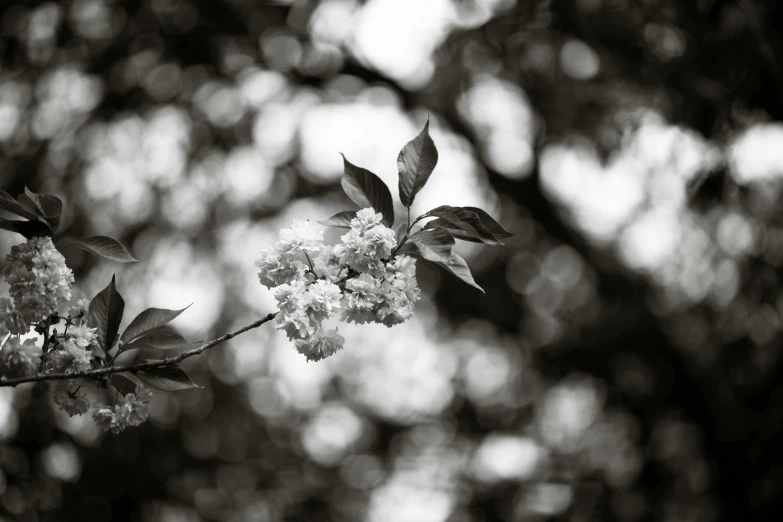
(136, 408)
(326, 264)
(276, 268)
(80, 309)
(68, 398)
(107, 420)
(320, 345)
(361, 298)
(11, 320)
(366, 218)
(303, 236)
(322, 300)
(398, 292)
(292, 316)
(302, 307)
(38, 278)
(19, 358)
(367, 244)
(69, 357)
(83, 336)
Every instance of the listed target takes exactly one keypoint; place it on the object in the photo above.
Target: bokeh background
(623, 364)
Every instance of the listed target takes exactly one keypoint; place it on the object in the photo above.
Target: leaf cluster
(435, 240)
(42, 213)
(148, 330)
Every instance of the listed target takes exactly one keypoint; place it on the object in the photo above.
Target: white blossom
(19, 358)
(38, 278)
(68, 397)
(303, 236)
(136, 408)
(399, 291)
(366, 218)
(107, 420)
(83, 336)
(327, 265)
(276, 268)
(292, 316)
(11, 320)
(320, 345)
(322, 300)
(306, 278)
(361, 298)
(80, 310)
(365, 247)
(69, 357)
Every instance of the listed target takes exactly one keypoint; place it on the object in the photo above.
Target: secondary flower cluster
(356, 280)
(39, 282)
(132, 411)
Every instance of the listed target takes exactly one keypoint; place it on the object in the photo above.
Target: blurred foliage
(623, 364)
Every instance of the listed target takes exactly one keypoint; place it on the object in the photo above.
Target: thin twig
(160, 363)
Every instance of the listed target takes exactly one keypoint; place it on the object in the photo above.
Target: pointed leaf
(415, 163)
(7, 202)
(399, 232)
(147, 320)
(51, 207)
(464, 224)
(104, 247)
(105, 314)
(457, 266)
(167, 378)
(340, 220)
(162, 337)
(409, 249)
(368, 190)
(28, 229)
(123, 384)
(487, 220)
(435, 244)
(29, 203)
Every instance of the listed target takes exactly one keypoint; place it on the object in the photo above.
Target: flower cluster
(132, 411)
(72, 354)
(39, 281)
(356, 280)
(19, 358)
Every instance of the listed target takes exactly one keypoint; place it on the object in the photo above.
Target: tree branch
(170, 361)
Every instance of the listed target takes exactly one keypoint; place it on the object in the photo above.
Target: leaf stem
(160, 363)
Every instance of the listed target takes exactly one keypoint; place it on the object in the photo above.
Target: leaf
(49, 207)
(435, 244)
(147, 320)
(399, 232)
(105, 314)
(123, 384)
(106, 248)
(457, 266)
(415, 163)
(410, 249)
(7, 202)
(29, 203)
(167, 378)
(28, 229)
(493, 226)
(464, 224)
(340, 220)
(368, 190)
(162, 337)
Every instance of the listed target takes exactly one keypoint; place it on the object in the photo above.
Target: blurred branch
(160, 363)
